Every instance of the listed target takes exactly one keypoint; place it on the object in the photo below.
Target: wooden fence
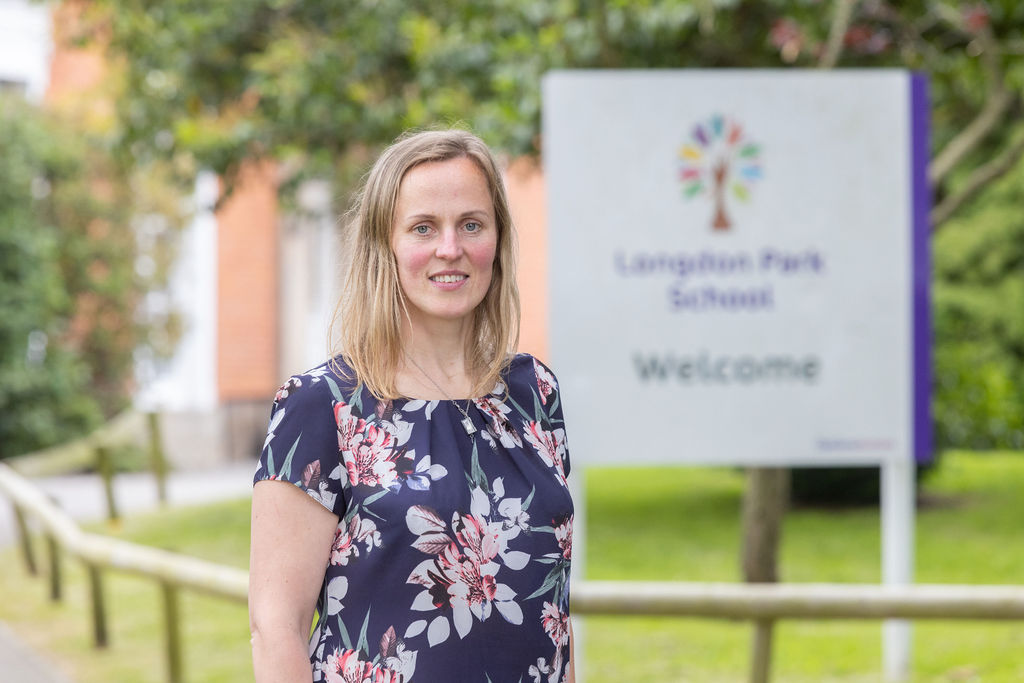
(174, 573)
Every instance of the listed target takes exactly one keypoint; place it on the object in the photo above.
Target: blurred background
(172, 177)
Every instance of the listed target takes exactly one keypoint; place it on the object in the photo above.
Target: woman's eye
(473, 226)
(421, 229)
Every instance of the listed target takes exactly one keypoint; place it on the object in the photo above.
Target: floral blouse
(451, 557)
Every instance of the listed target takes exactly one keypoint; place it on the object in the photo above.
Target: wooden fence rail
(174, 572)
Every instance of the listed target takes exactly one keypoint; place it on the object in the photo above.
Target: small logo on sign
(719, 161)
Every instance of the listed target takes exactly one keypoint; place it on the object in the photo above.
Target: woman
(428, 519)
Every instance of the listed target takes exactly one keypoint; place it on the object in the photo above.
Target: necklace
(467, 424)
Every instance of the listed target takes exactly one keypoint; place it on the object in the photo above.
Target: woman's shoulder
(527, 371)
(332, 381)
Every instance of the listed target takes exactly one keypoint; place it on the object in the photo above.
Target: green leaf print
(538, 409)
(529, 498)
(362, 646)
(370, 499)
(270, 461)
(553, 408)
(549, 582)
(286, 468)
(508, 399)
(479, 478)
(370, 512)
(335, 391)
(345, 640)
(357, 397)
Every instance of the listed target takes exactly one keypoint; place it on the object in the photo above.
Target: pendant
(468, 425)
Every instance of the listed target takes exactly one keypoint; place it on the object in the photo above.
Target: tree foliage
(318, 85)
(979, 305)
(68, 286)
(318, 80)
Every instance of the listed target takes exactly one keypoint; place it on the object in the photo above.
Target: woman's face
(444, 238)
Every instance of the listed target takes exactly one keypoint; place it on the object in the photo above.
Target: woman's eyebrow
(472, 213)
(420, 217)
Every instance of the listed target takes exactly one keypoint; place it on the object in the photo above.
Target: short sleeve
(551, 400)
(302, 443)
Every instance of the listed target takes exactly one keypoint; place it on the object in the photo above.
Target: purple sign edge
(921, 279)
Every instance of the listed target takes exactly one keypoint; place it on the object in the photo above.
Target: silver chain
(467, 424)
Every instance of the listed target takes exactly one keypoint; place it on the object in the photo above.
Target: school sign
(739, 270)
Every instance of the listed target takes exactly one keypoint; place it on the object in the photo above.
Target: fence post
(158, 460)
(764, 506)
(56, 591)
(25, 541)
(106, 469)
(172, 632)
(100, 636)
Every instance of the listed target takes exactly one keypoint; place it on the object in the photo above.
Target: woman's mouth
(448, 278)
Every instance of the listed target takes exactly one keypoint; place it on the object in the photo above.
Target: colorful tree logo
(719, 160)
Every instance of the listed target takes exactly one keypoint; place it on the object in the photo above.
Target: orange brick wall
(74, 69)
(247, 288)
(524, 181)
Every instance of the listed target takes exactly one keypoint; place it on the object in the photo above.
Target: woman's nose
(450, 246)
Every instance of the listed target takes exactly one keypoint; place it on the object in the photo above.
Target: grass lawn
(664, 524)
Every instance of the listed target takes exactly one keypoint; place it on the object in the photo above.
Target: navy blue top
(451, 557)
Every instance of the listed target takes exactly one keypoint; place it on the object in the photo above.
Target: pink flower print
(366, 450)
(288, 387)
(350, 427)
(460, 579)
(546, 383)
(555, 623)
(474, 586)
(348, 536)
(499, 426)
(395, 655)
(550, 445)
(479, 539)
(563, 534)
(346, 666)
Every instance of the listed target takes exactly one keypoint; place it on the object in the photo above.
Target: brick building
(255, 287)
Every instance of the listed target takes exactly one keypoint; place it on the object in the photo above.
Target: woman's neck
(434, 363)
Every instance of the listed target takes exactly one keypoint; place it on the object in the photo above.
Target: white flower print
(539, 670)
(395, 656)
(347, 666)
(556, 624)
(418, 404)
(546, 383)
(316, 373)
(498, 427)
(336, 590)
(287, 388)
(462, 575)
(348, 536)
(366, 449)
(563, 534)
(424, 473)
(550, 445)
(274, 422)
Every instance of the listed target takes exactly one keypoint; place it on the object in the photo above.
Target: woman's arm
(292, 536)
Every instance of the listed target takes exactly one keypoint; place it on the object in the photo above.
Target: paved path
(81, 496)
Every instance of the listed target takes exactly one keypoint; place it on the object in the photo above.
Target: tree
(69, 290)
(43, 384)
(319, 86)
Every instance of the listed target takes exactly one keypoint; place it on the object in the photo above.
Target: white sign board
(738, 265)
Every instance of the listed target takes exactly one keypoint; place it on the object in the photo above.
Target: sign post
(739, 274)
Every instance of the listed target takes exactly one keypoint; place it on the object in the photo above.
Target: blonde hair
(372, 304)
